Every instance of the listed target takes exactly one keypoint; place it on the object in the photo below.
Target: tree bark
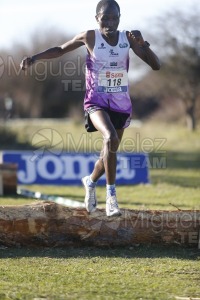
(52, 225)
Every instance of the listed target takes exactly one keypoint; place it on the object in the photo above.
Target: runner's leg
(99, 169)
(111, 139)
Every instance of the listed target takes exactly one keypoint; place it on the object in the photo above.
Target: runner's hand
(137, 36)
(26, 63)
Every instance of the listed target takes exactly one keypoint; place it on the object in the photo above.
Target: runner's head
(107, 16)
(103, 3)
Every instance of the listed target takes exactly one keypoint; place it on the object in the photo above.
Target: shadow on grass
(181, 160)
(176, 160)
(141, 251)
(176, 168)
(9, 141)
(182, 181)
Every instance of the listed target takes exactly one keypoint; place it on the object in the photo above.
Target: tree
(176, 40)
(180, 72)
(49, 88)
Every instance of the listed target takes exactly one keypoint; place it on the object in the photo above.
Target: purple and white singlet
(107, 75)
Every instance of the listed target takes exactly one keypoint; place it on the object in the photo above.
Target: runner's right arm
(78, 41)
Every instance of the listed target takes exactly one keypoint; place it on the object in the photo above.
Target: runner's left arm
(142, 49)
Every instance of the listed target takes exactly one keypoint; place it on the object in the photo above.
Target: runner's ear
(97, 19)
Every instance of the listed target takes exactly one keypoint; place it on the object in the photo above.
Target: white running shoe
(90, 196)
(112, 208)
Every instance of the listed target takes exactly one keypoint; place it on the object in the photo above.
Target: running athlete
(107, 103)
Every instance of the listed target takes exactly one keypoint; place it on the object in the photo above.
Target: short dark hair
(104, 3)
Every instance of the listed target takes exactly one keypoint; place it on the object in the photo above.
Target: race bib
(113, 82)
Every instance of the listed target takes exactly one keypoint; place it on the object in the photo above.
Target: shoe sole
(116, 214)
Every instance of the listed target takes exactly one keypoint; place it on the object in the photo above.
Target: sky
(21, 18)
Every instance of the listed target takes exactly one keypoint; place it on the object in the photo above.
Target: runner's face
(108, 20)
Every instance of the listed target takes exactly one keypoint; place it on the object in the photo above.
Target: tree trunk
(191, 121)
(51, 225)
(191, 118)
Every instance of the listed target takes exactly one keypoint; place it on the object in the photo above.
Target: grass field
(138, 272)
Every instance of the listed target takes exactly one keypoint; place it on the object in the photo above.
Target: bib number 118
(114, 82)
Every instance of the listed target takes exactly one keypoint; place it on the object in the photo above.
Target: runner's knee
(111, 141)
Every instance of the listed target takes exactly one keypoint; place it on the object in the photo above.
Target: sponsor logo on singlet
(102, 46)
(124, 45)
(113, 64)
(113, 53)
(114, 74)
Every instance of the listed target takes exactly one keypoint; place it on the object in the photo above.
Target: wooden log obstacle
(50, 225)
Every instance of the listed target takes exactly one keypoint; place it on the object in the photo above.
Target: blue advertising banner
(69, 168)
